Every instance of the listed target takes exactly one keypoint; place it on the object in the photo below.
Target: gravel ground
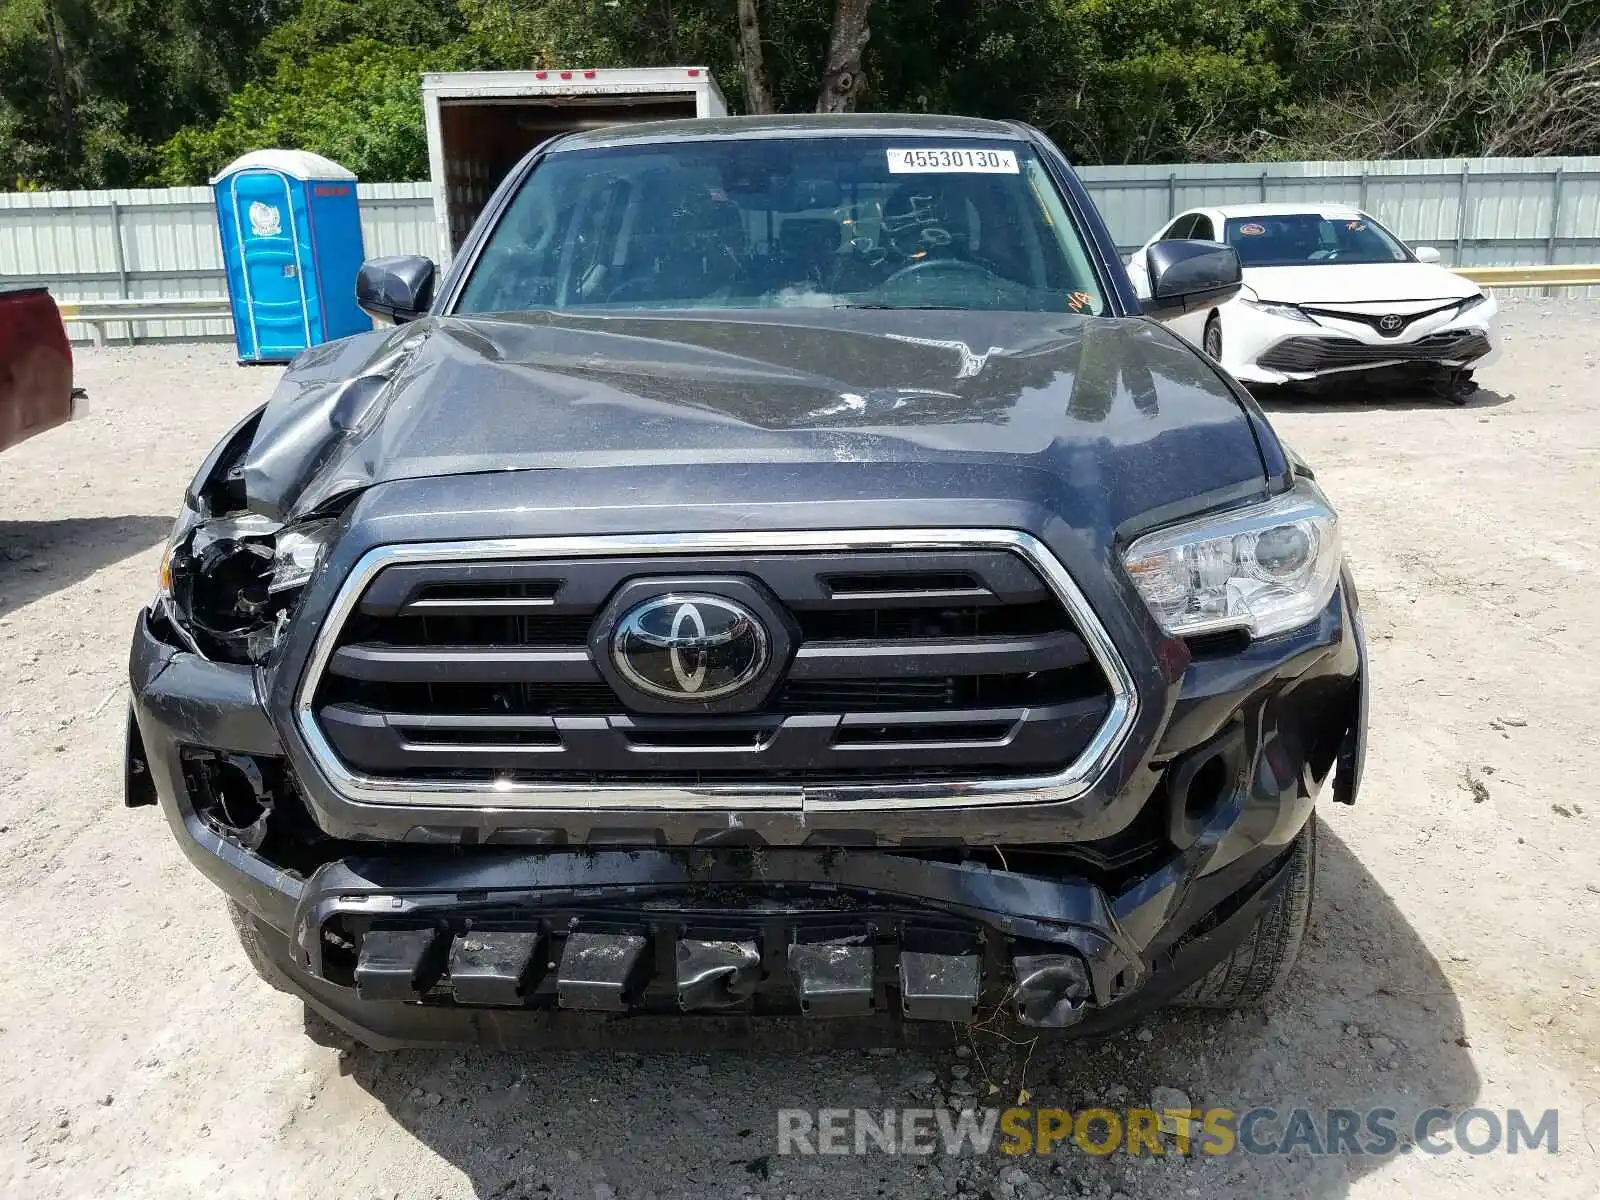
(1451, 958)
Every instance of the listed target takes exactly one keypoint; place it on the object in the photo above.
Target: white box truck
(480, 123)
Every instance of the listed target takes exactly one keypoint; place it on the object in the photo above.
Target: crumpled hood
(545, 390)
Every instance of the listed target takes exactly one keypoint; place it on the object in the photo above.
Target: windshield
(820, 222)
(1306, 239)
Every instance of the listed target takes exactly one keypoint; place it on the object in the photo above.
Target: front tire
(1262, 962)
(1458, 387)
(249, 941)
(1212, 342)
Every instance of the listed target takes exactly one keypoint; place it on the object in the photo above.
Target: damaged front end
(471, 888)
(414, 943)
(515, 947)
(230, 578)
(768, 933)
(422, 945)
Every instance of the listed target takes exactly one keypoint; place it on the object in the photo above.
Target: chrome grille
(445, 672)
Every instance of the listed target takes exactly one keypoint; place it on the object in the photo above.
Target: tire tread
(244, 927)
(1263, 961)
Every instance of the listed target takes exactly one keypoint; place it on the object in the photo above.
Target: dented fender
(1352, 760)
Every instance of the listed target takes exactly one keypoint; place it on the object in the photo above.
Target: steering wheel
(929, 266)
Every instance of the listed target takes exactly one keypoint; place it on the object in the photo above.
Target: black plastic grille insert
(1325, 354)
(938, 665)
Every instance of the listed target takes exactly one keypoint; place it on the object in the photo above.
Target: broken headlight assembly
(1265, 569)
(229, 584)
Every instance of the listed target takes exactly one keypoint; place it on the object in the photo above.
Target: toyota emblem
(691, 648)
(1391, 323)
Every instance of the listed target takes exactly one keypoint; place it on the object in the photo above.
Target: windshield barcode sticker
(982, 162)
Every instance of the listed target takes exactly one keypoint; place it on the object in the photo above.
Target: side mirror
(395, 289)
(1190, 276)
(1427, 254)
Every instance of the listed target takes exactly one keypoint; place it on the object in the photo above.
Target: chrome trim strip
(1077, 778)
(481, 602)
(479, 748)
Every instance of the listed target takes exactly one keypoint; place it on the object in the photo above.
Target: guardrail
(97, 314)
(1560, 275)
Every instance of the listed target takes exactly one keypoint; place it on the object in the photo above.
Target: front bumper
(1083, 914)
(740, 947)
(1306, 357)
(1263, 348)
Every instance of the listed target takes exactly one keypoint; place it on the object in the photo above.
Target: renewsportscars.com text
(1375, 1132)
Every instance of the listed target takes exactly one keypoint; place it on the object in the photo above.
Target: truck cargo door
(483, 140)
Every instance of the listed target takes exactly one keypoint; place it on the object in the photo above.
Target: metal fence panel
(1478, 212)
(162, 242)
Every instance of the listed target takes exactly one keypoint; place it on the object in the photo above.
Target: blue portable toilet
(291, 242)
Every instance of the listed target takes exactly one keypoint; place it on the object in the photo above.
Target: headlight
(228, 583)
(1471, 302)
(1266, 569)
(1288, 311)
(297, 553)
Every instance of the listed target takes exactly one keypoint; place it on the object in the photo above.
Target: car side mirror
(1427, 254)
(397, 289)
(1190, 276)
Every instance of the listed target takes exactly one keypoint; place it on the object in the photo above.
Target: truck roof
(918, 125)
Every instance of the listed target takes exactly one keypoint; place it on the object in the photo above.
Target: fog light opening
(239, 792)
(230, 794)
(1201, 783)
(1206, 788)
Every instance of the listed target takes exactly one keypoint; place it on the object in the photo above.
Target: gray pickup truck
(780, 573)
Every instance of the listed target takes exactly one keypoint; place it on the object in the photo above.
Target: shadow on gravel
(41, 557)
(598, 1125)
(1329, 399)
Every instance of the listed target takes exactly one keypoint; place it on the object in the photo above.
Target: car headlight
(1287, 311)
(1267, 568)
(229, 583)
(1471, 302)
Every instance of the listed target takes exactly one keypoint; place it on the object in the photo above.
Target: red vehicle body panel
(35, 365)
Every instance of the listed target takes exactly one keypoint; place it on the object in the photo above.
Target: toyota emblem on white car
(1391, 323)
(690, 647)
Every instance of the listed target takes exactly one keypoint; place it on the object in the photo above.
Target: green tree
(108, 92)
(88, 88)
(1158, 80)
(1420, 78)
(337, 77)
(358, 103)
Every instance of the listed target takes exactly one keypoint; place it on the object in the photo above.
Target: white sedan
(1328, 290)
